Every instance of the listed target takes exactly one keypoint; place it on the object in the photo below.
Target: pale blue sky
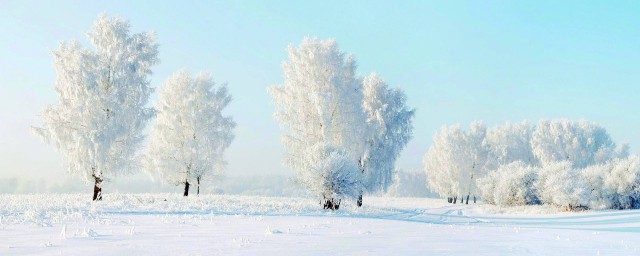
(457, 61)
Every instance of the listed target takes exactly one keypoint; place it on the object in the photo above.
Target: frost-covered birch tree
(98, 123)
(390, 129)
(190, 134)
(319, 107)
(477, 153)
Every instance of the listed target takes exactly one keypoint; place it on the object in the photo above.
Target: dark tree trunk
(361, 164)
(198, 186)
(467, 199)
(331, 204)
(474, 199)
(97, 189)
(186, 188)
(449, 200)
(455, 199)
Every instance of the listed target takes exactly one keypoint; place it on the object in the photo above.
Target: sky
(457, 61)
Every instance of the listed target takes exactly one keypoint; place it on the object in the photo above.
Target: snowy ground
(146, 224)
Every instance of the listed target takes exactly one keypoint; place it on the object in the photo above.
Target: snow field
(243, 225)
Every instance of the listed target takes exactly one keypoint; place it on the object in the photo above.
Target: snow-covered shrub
(611, 185)
(615, 184)
(332, 173)
(623, 183)
(560, 184)
(510, 185)
(487, 186)
(594, 176)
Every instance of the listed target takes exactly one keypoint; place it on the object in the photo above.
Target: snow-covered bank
(146, 224)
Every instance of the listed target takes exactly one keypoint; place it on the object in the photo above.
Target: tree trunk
(331, 204)
(97, 189)
(359, 203)
(474, 199)
(455, 199)
(186, 188)
(467, 199)
(449, 200)
(198, 186)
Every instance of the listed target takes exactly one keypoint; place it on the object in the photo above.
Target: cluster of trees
(342, 133)
(559, 162)
(99, 123)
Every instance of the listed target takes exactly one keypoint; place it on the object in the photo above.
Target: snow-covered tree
(441, 161)
(389, 121)
(477, 154)
(581, 143)
(510, 143)
(103, 92)
(455, 160)
(190, 134)
(320, 103)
